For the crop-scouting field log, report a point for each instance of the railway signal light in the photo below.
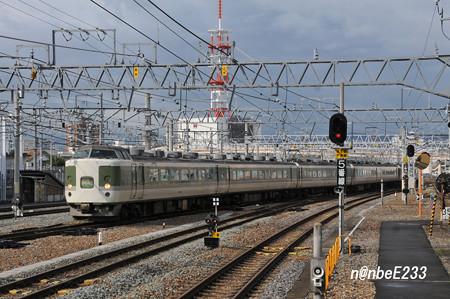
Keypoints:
(405, 186)
(212, 220)
(410, 150)
(338, 129)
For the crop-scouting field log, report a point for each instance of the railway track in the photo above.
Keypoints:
(52, 230)
(120, 257)
(35, 210)
(240, 276)
(71, 275)
(36, 206)
(74, 229)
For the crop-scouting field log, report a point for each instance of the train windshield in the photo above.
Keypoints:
(81, 154)
(96, 153)
(103, 154)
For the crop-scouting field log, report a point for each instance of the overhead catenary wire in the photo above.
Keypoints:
(51, 24)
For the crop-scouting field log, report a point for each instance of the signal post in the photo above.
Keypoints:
(337, 135)
(212, 220)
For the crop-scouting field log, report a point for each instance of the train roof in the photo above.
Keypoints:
(159, 155)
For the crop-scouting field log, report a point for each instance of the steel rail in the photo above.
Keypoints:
(29, 280)
(197, 289)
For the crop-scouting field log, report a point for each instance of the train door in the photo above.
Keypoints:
(133, 180)
(140, 181)
(223, 178)
(137, 180)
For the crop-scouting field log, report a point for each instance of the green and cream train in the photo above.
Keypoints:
(106, 181)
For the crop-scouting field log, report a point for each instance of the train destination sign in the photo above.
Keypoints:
(341, 172)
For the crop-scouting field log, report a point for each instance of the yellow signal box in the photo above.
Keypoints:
(136, 72)
(341, 153)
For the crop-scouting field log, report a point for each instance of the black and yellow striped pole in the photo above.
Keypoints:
(434, 197)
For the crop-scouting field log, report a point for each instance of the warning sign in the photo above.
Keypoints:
(341, 153)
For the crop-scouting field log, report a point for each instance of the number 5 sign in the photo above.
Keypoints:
(341, 172)
(445, 213)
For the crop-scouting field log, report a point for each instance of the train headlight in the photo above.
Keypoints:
(107, 186)
(69, 186)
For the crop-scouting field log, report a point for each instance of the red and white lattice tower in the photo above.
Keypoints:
(219, 54)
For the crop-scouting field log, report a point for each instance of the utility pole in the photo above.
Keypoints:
(169, 136)
(41, 150)
(35, 142)
(3, 157)
(448, 123)
(404, 164)
(100, 134)
(148, 123)
(16, 145)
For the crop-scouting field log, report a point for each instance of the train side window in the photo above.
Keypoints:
(285, 174)
(164, 175)
(279, 174)
(234, 175)
(210, 173)
(153, 175)
(267, 175)
(247, 175)
(126, 155)
(203, 174)
(184, 174)
(240, 175)
(254, 174)
(261, 174)
(119, 154)
(193, 174)
(274, 174)
(174, 174)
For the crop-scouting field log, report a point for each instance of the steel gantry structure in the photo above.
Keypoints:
(272, 75)
(426, 74)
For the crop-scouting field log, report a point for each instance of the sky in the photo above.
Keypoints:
(265, 30)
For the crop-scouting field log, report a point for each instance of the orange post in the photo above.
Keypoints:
(420, 192)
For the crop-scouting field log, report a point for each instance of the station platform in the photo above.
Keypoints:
(403, 244)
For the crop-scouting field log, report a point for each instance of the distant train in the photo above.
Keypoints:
(106, 181)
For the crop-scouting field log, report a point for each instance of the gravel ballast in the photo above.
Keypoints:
(161, 276)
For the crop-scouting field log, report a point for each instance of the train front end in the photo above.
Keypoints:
(93, 182)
